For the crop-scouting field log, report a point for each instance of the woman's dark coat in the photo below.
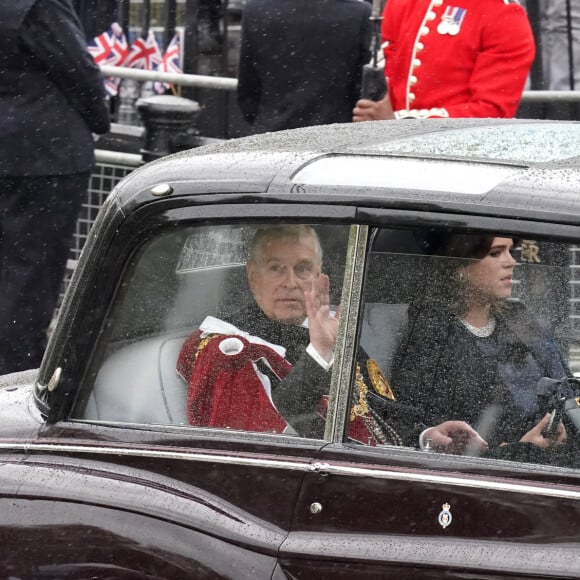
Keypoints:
(440, 370)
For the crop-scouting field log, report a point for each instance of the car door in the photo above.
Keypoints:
(124, 463)
(370, 510)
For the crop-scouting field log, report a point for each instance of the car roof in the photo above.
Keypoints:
(513, 167)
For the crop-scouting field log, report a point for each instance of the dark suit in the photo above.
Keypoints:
(51, 101)
(301, 61)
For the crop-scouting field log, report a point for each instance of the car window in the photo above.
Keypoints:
(474, 334)
(209, 329)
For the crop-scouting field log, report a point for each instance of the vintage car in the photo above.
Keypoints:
(108, 470)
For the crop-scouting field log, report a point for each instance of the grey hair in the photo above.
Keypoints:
(277, 232)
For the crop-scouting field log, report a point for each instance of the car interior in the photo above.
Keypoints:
(165, 297)
(137, 381)
(180, 277)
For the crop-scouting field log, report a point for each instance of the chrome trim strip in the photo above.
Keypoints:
(305, 465)
(562, 492)
(412, 477)
(339, 395)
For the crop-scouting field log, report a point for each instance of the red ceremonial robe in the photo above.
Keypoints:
(226, 388)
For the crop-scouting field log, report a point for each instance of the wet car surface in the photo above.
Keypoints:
(102, 471)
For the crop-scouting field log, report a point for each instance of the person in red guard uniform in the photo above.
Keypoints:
(452, 58)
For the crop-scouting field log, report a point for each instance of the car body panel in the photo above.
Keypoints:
(398, 507)
(80, 540)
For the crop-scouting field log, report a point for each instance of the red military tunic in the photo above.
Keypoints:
(456, 58)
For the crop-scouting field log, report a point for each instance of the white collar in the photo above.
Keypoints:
(213, 325)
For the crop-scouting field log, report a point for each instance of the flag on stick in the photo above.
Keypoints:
(110, 48)
(145, 53)
(171, 62)
(100, 47)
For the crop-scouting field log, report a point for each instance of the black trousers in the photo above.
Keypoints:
(37, 219)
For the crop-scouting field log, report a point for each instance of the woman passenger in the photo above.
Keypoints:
(472, 355)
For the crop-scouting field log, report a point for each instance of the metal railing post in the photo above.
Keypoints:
(191, 42)
(170, 20)
(170, 125)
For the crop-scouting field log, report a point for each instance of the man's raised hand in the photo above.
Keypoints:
(322, 325)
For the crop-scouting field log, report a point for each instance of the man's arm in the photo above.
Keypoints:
(322, 324)
(298, 396)
(53, 33)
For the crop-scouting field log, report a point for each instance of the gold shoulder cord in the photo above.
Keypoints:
(379, 429)
(361, 408)
(203, 343)
(379, 381)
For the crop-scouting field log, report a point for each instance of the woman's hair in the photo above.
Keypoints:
(468, 246)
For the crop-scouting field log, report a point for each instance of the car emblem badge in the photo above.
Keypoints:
(445, 516)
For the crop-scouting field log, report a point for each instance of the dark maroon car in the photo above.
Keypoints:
(103, 473)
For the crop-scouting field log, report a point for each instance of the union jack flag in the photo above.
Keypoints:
(171, 62)
(110, 48)
(112, 85)
(119, 46)
(145, 53)
(100, 47)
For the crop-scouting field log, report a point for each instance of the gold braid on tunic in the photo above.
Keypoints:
(381, 431)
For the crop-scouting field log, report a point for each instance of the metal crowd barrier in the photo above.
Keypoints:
(230, 84)
(551, 97)
(110, 168)
(185, 80)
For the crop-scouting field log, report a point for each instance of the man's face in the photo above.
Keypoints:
(283, 270)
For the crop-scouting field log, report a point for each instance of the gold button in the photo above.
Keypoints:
(411, 97)
(413, 80)
(424, 30)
